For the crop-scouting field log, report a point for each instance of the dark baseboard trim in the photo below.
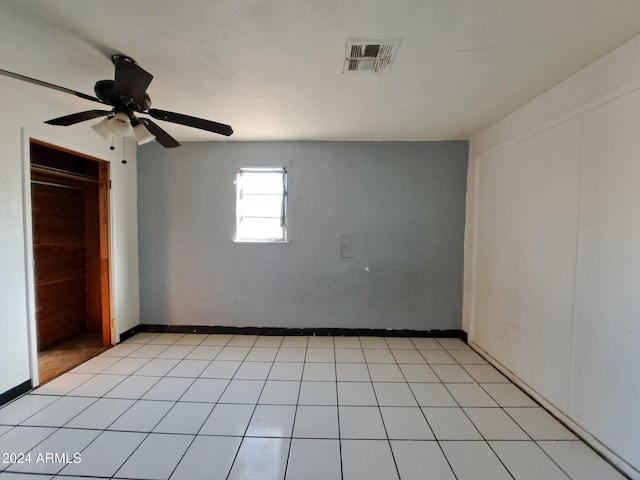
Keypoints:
(15, 392)
(332, 332)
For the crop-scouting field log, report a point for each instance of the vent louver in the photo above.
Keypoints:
(373, 56)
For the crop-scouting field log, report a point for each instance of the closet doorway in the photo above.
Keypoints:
(70, 225)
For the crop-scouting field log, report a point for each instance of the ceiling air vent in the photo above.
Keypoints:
(373, 56)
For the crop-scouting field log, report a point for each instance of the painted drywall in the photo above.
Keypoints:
(403, 204)
(552, 259)
(23, 112)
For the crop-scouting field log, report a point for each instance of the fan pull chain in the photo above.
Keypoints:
(124, 152)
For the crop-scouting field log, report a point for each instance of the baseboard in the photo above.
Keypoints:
(15, 392)
(608, 455)
(331, 332)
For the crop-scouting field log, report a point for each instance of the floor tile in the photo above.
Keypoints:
(185, 418)
(63, 384)
(293, 354)
(495, 424)
(269, 341)
(227, 419)
(106, 454)
(166, 339)
(467, 357)
(168, 389)
(474, 461)
(142, 337)
(349, 355)
(470, 395)
(191, 339)
(438, 357)
(453, 344)
(132, 387)
(96, 365)
(485, 374)
(260, 458)
(22, 439)
(294, 341)
(426, 343)
(527, 461)
(204, 352)
(325, 372)
(100, 414)
(352, 372)
(126, 366)
(316, 422)
(415, 458)
(385, 372)
(280, 392)
(452, 374)
(65, 442)
(508, 395)
(261, 354)
(156, 457)
(408, 356)
(419, 373)
(451, 424)
(148, 351)
(320, 355)
(97, 386)
(356, 393)
(579, 461)
(320, 342)
(253, 371)
(242, 341)
(206, 390)
(233, 353)
(368, 460)
(432, 395)
(221, 369)
(400, 343)
(217, 340)
(286, 371)
(393, 394)
(242, 391)
(373, 342)
(378, 355)
(157, 367)
(207, 457)
(361, 423)
(313, 459)
(22, 408)
(143, 416)
(318, 393)
(60, 412)
(405, 423)
(539, 424)
(176, 351)
(272, 421)
(121, 350)
(4, 429)
(188, 368)
(347, 342)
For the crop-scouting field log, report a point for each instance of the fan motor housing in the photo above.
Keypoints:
(105, 91)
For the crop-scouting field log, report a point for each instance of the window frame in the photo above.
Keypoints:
(237, 239)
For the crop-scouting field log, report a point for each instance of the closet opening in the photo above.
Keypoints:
(70, 225)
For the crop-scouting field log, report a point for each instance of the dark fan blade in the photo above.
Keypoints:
(78, 117)
(48, 85)
(131, 80)
(162, 137)
(194, 122)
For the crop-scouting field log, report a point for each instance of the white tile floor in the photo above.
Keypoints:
(302, 408)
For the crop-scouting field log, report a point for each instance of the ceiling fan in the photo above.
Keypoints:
(127, 96)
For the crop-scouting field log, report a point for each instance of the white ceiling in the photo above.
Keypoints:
(273, 69)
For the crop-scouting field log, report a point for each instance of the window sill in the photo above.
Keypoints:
(261, 242)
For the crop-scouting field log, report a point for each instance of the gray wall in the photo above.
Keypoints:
(403, 203)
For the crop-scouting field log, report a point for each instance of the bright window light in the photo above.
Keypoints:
(261, 205)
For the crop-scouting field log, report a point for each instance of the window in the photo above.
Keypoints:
(261, 205)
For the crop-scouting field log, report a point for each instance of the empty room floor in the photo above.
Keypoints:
(302, 408)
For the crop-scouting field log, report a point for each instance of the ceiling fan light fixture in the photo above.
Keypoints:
(102, 129)
(120, 125)
(142, 134)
